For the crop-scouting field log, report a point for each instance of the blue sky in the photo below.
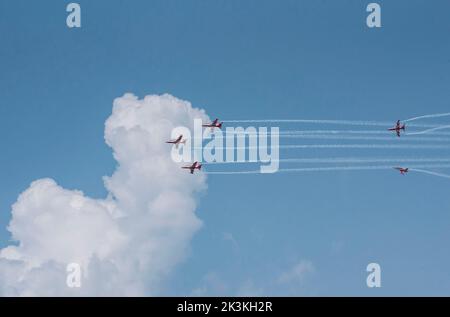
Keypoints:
(245, 59)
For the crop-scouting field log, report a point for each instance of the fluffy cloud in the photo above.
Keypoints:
(297, 273)
(126, 243)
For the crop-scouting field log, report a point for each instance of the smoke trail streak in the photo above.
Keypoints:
(337, 122)
(365, 146)
(333, 168)
(437, 115)
(351, 137)
(297, 132)
(342, 146)
(345, 122)
(338, 132)
(430, 172)
(340, 160)
(430, 130)
(339, 137)
(231, 173)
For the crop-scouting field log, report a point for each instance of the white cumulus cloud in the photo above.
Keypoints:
(126, 243)
(297, 273)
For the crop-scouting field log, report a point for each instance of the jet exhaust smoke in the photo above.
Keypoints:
(336, 122)
(347, 146)
(436, 115)
(417, 168)
(430, 130)
(338, 160)
(430, 172)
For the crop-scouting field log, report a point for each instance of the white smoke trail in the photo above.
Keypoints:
(337, 160)
(342, 137)
(342, 146)
(337, 122)
(430, 130)
(332, 168)
(367, 138)
(231, 173)
(437, 115)
(358, 168)
(296, 132)
(430, 172)
(343, 122)
(365, 146)
(337, 132)
(300, 133)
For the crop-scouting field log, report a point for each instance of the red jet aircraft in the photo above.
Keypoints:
(402, 170)
(177, 141)
(398, 127)
(214, 124)
(193, 167)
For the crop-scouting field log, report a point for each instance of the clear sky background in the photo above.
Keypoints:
(251, 60)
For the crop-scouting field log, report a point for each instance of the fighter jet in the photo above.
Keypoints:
(177, 141)
(214, 124)
(193, 167)
(402, 170)
(398, 127)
